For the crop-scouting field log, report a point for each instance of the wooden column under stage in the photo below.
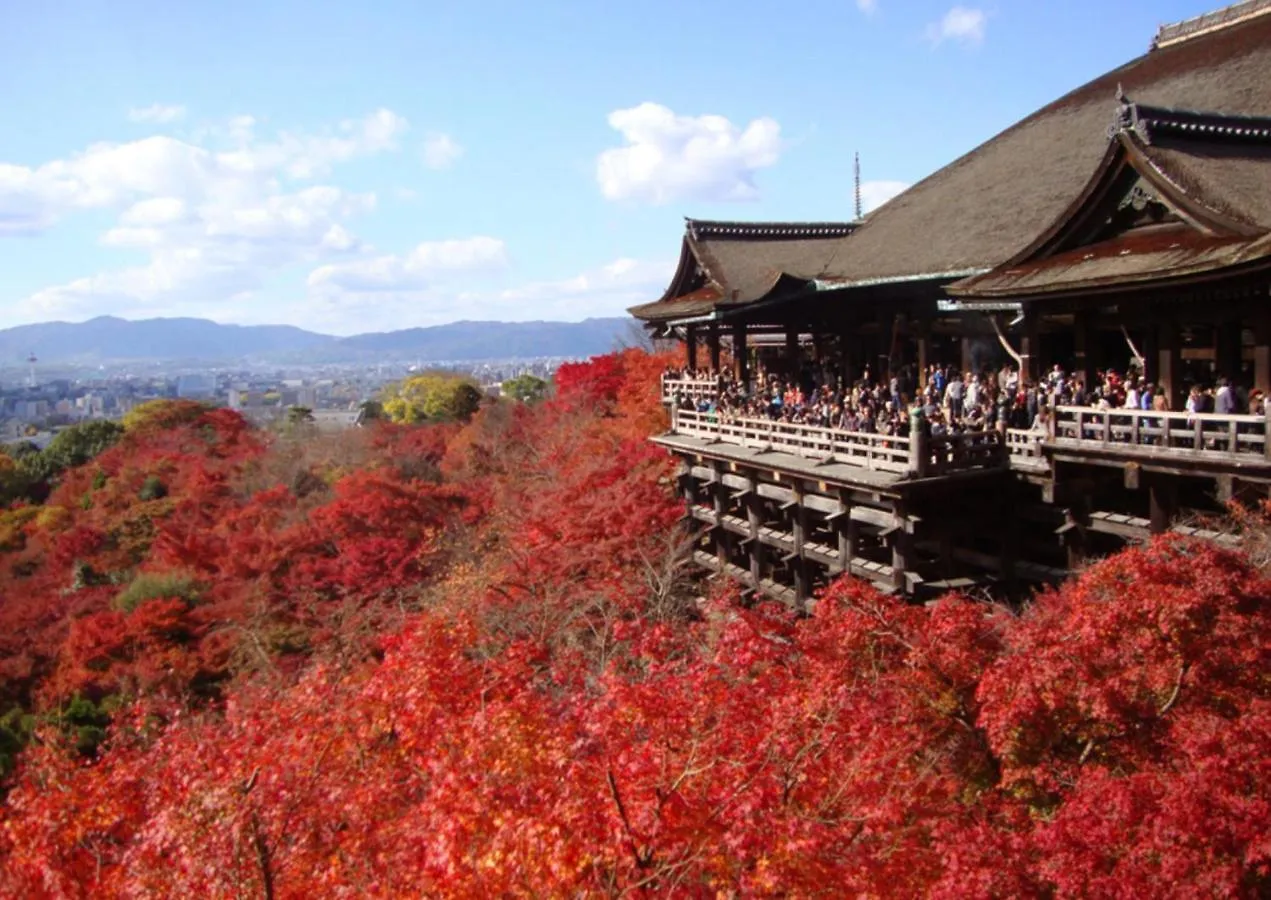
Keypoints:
(1169, 364)
(690, 341)
(712, 345)
(754, 519)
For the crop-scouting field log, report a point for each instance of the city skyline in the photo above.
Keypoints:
(350, 172)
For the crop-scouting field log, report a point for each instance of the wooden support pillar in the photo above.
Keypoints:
(792, 349)
(1262, 351)
(946, 554)
(845, 530)
(1030, 346)
(754, 509)
(1086, 340)
(1010, 534)
(720, 535)
(798, 565)
(690, 341)
(901, 549)
(923, 328)
(1227, 352)
(1074, 539)
(741, 354)
(966, 355)
(1164, 503)
(846, 355)
(712, 345)
(1151, 350)
(1169, 364)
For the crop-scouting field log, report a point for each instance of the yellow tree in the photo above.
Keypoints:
(431, 397)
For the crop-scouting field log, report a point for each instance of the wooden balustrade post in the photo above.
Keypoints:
(917, 444)
(1266, 432)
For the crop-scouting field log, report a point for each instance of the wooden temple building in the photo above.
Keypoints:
(1131, 217)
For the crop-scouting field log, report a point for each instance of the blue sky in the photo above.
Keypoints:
(351, 167)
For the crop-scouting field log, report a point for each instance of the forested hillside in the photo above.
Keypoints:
(470, 659)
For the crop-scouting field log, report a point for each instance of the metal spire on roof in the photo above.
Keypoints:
(858, 184)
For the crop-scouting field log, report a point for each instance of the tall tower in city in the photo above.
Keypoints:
(30, 378)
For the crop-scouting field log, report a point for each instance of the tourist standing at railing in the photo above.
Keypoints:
(1224, 399)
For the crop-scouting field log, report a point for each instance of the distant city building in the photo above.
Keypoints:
(195, 386)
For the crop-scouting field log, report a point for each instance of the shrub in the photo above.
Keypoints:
(153, 488)
(155, 585)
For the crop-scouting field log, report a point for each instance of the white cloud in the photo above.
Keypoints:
(416, 270)
(461, 279)
(668, 157)
(215, 223)
(869, 7)
(875, 193)
(157, 112)
(604, 291)
(961, 24)
(441, 151)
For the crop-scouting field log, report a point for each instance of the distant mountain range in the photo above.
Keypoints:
(111, 340)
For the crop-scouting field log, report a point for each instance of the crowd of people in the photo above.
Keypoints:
(944, 399)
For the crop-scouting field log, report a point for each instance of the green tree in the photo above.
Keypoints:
(15, 479)
(526, 388)
(370, 411)
(299, 417)
(162, 413)
(72, 447)
(432, 397)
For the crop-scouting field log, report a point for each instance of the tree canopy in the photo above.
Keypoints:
(526, 388)
(431, 397)
(471, 659)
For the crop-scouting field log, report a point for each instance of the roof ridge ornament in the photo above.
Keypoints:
(771, 231)
(1150, 122)
(1186, 30)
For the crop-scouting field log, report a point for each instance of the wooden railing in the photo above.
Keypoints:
(1123, 431)
(968, 450)
(872, 451)
(1146, 432)
(681, 386)
(928, 456)
(1024, 447)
